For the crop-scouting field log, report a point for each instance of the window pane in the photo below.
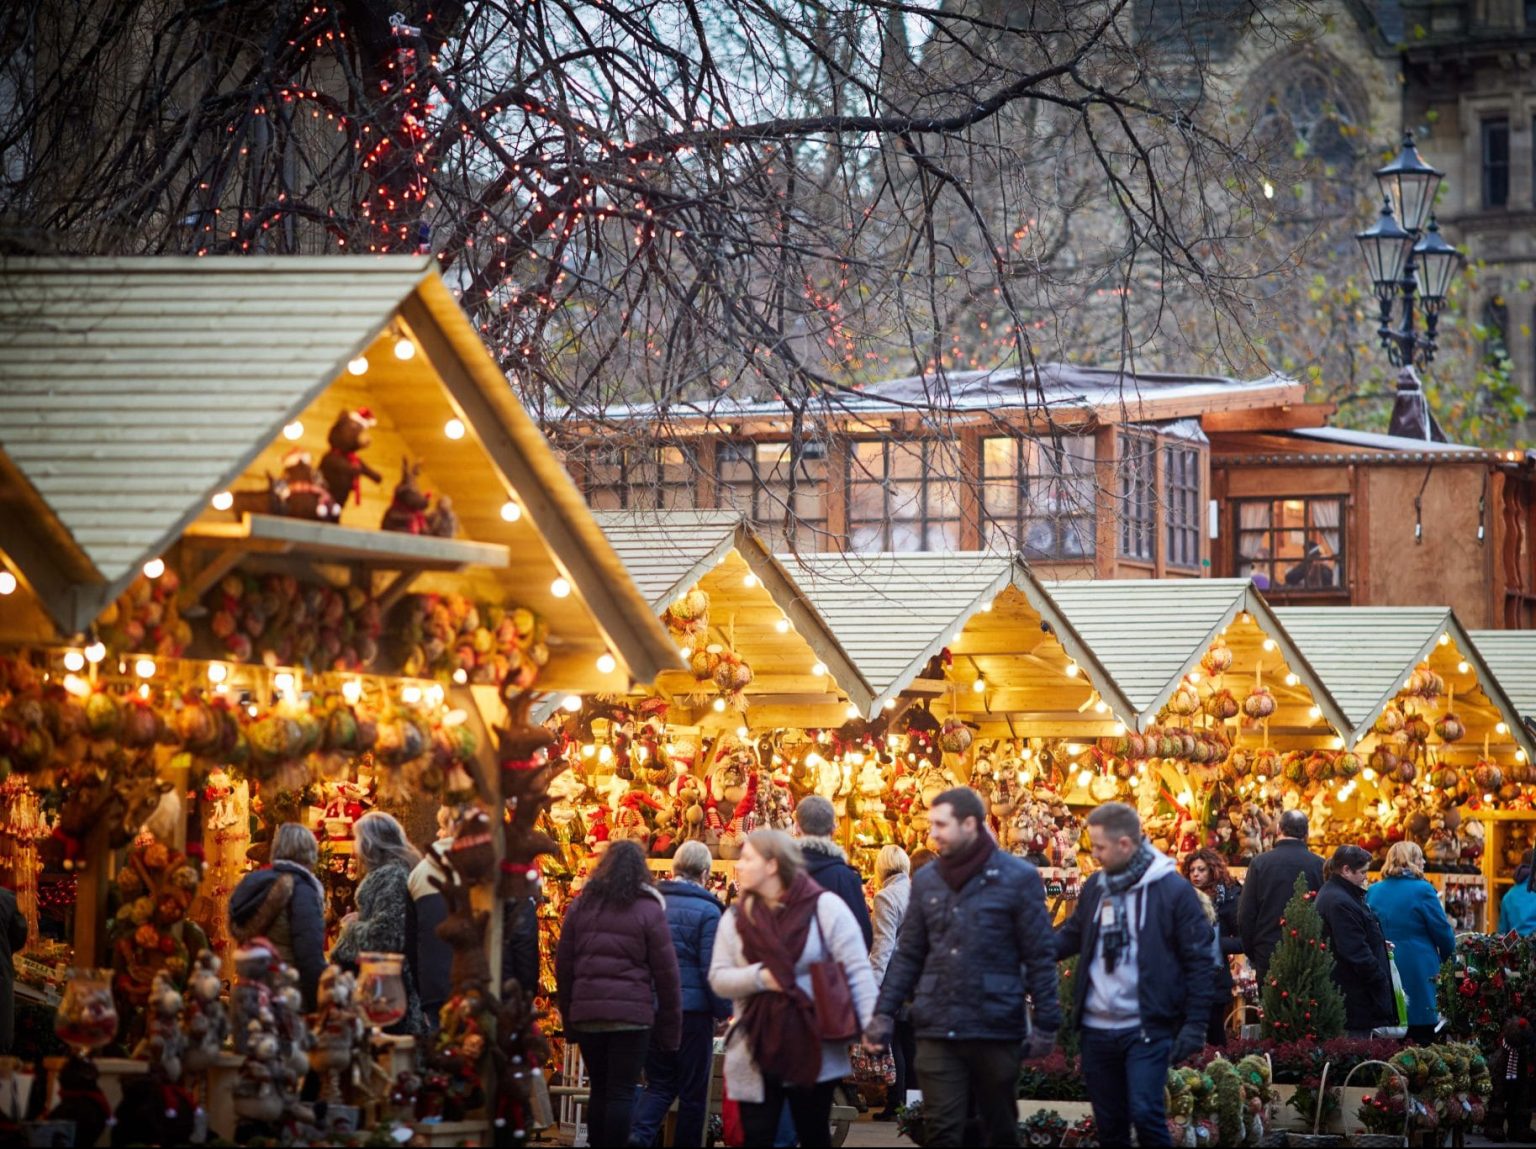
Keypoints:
(867, 538)
(942, 537)
(906, 461)
(1495, 133)
(866, 502)
(999, 458)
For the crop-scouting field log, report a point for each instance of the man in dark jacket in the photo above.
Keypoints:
(976, 943)
(827, 864)
(1143, 987)
(693, 915)
(1268, 887)
(13, 935)
(1361, 968)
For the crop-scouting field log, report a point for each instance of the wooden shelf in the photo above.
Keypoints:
(327, 542)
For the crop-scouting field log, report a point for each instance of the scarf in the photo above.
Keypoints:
(1115, 938)
(780, 1028)
(959, 868)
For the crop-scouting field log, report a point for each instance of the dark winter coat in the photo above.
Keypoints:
(1270, 882)
(829, 869)
(286, 905)
(383, 925)
(1229, 940)
(967, 958)
(520, 942)
(693, 916)
(1361, 967)
(432, 957)
(615, 964)
(13, 935)
(1174, 951)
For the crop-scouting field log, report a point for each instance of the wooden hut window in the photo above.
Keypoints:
(652, 477)
(1138, 497)
(781, 491)
(1037, 496)
(1292, 546)
(903, 495)
(1182, 487)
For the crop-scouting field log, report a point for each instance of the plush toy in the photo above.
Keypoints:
(443, 520)
(342, 466)
(407, 512)
(338, 1031)
(301, 493)
(205, 1020)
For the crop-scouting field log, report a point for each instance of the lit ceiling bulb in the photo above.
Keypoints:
(852, 711)
(719, 706)
(510, 511)
(76, 685)
(154, 568)
(979, 686)
(1100, 707)
(1119, 729)
(741, 732)
(819, 670)
(293, 430)
(605, 755)
(1071, 670)
(589, 751)
(560, 588)
(782, 626)
(454, 428)
(352, 690)
(74, 660)
(1445, 638)
(749, 581)
(96, 651)
(1085, 777)
(7, 582)
(890, 704)
(1519, 755)
(1269, 644)
(222, 501)
(1502, 728)
(606, 663)
(410, 694)
(572, 703)
(1291, 680)
(460, 676)
(358, 366)
(144, 668)
(217, 672)
(284, 683)
(1463, 666)
(405, 350)
(1315, 712)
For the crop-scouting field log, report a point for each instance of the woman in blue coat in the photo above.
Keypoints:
(1415, 923)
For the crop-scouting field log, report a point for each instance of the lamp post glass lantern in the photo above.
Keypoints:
(1407, 260)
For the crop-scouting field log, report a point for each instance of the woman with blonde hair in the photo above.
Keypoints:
(1415, 923)
(893, 874)
(285, 904)
(385, 915)
(783, 924)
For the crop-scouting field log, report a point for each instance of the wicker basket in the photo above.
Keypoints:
(1363, 1140)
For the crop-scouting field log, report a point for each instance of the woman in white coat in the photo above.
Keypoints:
(892, 870)
(764, 949)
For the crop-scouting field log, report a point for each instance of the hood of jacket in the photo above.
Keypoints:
(818, 851)
(1162, 866)
(251, 892)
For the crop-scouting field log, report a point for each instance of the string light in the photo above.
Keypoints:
(1315, 712)
(293, 430)
(1291, 680)
(890, 704)
(606, 663)
(217, 672)
(1445, 638)
(222, 501)
(510, 511)
(1463, 666)
(605, 755)
(76, 685)
(144, 668)
(719, 706)
(1071, 670)
(560, 588)
(454, 428)
(1502, 728)
(358, 366)
(7, 582)
(154, 568)
(96, 652)
(460, 676)
(819, 670)
(782, 626)
(1268, 644)
(74, 660)
(283, 683)
(572, 703)
(405, 350)
(589, 751)
(352, 690)
(410, 694)
(741, 732)
(979, 686)
(986, 608)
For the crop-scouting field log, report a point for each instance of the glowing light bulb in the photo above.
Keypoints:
(510, 511)
(605, 755)
(606, 663)
(1084, 777)
(284, 683)
(749, 581)
(686, 652)
(1100, 706)
(1519, 755)
(1119, 729)
(454, 428)
(890, 704)
(74, 660)
(144, 668)
(955, 639)
(1445, 638)
(1193, 676)
(782, 626)
(7, 582)
(1338, 743)
(1315, 712)
(293, 430)
(222, 501)
(358, 366)
(1463, 666)
(410, 694)
(96, 651)
(572, 703)
(741, 732)
(589, 751)
(154, 568)
(718, 706)
(352, 690)
(986, 608)
(405, 350)
(460, 676)
(852, 711)
(560, 588)
(819, 670)
(76, 685)
(1502, 728)
(1268, 644)
(979, 686)
(1291, 680)
(1071, 670)
(217, 672)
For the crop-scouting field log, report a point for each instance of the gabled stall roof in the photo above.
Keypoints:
(1365, 653)
(132, 390)
(1146, 635)
(1511, 655)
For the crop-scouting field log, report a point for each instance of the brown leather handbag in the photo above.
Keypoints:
(831, 995)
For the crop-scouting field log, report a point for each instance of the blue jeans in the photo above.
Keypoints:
(683, 1075)
(1125, 1071)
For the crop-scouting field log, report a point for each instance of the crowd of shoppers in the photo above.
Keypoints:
(955, 971)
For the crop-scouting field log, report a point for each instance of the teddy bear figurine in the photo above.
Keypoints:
(301, 493)
(342, 466)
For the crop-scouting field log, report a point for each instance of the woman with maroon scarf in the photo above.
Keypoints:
(764, 950)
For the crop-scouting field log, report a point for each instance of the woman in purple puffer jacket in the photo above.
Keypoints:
(616, 980)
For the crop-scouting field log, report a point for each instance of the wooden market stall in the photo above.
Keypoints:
(1449, 755)
(205, 590)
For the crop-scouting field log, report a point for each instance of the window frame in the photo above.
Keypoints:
(1136, 523)
(765, 509)
(629, 463)
(1270, 566)
(1078, 523)
(1181, 499)
(1492, 169)
(928, 481)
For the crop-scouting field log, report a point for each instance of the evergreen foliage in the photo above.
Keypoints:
(1300, 998)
